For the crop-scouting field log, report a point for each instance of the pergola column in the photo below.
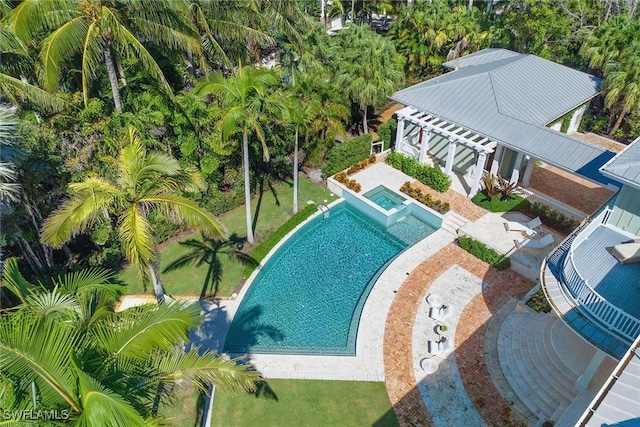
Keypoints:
(515, 175)
(451, 154)
(424, 145)
(497, 157)
(477, 173)
(399, 134)
(528, 170)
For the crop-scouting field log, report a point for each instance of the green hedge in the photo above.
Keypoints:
(387, 132)
(341, 157)
(486, 254)
(265, 247)
(428, 175)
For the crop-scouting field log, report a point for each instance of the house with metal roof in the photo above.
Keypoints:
(592, 281)
(500, 111)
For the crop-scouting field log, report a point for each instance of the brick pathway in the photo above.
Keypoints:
(399, 376)
(570, 189)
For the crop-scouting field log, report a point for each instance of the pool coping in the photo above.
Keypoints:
(368, 363)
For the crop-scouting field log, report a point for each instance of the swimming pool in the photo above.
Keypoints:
(384, 197)
(308, 297)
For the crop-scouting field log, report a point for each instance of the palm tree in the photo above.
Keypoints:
(301, 113)
(96, 30)
(370, 68)
(66, 349)
(145, 182)
(244, 97)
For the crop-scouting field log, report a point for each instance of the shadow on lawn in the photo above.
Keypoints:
(208, 251)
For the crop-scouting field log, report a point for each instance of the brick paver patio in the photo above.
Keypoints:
(469, 351)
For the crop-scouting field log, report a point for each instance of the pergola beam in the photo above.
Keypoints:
(447, 129)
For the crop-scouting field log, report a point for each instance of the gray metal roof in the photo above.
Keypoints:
(480, 57)
(625, 166)
(618, 402)
(510, 97)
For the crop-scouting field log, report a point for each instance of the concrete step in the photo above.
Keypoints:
(535, 372)
(452, 222)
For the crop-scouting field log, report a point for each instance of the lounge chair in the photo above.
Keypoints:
(445, 345)
(528, 228)
(627, 253)
(534, 244)
(441, 313)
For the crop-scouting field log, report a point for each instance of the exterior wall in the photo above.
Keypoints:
(626, 212)
(557, 126)
(577, 118)
(507, 162)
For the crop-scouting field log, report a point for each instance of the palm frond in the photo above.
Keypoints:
(89, 199)
(31, 353)
(201, 370)
(16, 89)
(136, 237)
(58, 47)
(14, 281)
(188, 212)
(54, 306)
(103, 407)
(136, 331)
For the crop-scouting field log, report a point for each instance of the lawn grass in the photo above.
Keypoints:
(274, 209)
(185, 409)
(496, 204)
(307, 403)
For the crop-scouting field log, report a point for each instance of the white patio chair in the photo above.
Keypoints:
(441, 313)
(445, 345)
(534, 244)
(528, 228)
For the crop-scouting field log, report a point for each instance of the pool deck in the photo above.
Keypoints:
(395, 324)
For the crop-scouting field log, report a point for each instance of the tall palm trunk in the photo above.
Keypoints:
(247, 183)
(295, 173)
(154, 270)
(618, 122)
(364, 120)
(353, 8)
(113, 78)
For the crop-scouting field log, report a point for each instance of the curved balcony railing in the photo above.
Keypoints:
(589, 300)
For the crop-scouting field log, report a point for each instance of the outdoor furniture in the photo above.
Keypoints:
(528, 228)
(441, 313)
(434, 300)
(534, 244)
(627, 253)
(445, 345)
(429, 365)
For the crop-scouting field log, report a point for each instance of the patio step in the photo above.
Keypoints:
(453, 222)
(532, 367)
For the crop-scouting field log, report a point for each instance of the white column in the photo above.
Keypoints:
(497, 157)
(451, 154)
(515, 175)
(477, 173)
(424, 145)
(399, 134)
(584, 379)
(528, 170)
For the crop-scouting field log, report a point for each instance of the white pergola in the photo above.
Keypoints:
(454, 133)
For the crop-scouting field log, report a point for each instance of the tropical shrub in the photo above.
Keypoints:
(351, 184)
(539, 303)
(496, 203)
(428, 175)
(346, 154)
(484, 253)
(550, 217)
(265, 247)
(387, 133)
(425, 198)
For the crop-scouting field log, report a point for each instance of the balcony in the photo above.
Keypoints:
(590, 290)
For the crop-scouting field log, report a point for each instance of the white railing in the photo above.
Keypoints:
(590, 301)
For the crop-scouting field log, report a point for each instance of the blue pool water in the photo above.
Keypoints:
(384, 197)
(308, 297)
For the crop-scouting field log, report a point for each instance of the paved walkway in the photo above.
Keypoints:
(401, 382)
